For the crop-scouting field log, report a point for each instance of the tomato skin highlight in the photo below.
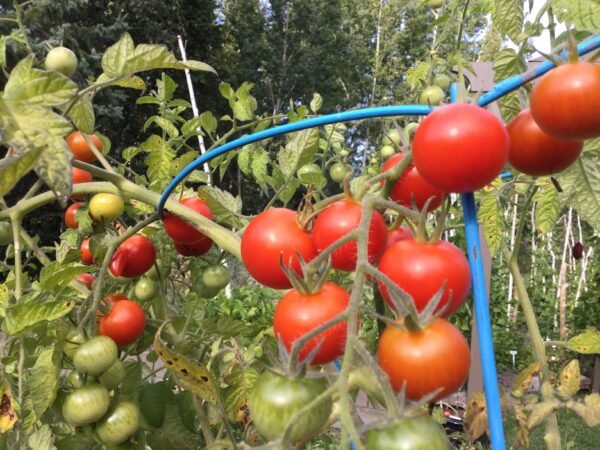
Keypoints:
(81, 151)
(134, 257)
(336, 221)
(179, 230)
(535, 152)
(564, 102)
(124, 323)
(420, 269)
(70, 221)
(412, 184)
(273, 236)
(296, 314)
(437, 357)
(460, 148)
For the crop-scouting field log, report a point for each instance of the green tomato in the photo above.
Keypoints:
(442, 80)
(344, 152)
(76, 380)
(276, 398)
(86, 404)
(113, 376)
(73, 340)
(121, 422)
(145, 289)
(308, 170)
(338, 171)
(95, 356)
(106, 207)
(410, 130)
(435, 4)
(61, 59)
(6, 234)
(433, 95)
(414, 433)
(392, 137)
(387, 151)
(216, 277)
(204, 291)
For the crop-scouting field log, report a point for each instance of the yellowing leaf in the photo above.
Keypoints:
(587, 342)
(540, 412)
(522, 430)
(569, 380)
(476, 423)
(523, 380)
(8, 415)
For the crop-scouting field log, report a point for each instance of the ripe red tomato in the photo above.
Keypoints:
(87, 279)
(79, 147)
(179, 230)
(274, 237)
(564, 102)
(336, 221)
(80, 176)
(70, 221)
(411, 186)
(436, 357)
(398, 234)
(460, 147)
(196, 249)
(124, 323)
(420, 269)
(535, 152)
(133, 257)
(296, 314)
(86, 255)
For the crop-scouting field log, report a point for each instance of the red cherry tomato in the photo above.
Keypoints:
(535, 152)
(421, 269)
(460, 147)
(70, 221)
(437, 357)
(87, 279)
(296, 314)
(411, 186)
(398, 234)
(81, 150)
(124, 323)
(196, 249)
(133, 257)
(179, 230)
(564, 102)
(337, 220)
(273, 236)
(80, 176)
(86, 255)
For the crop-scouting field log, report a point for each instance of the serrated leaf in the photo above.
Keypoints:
(593, 401)
(225, 207)
(507, 63)
(587, 343)
(131, 152)
(14, 168)
(178, 164)
(44, 380)
(590, 415)
(158, 161)
(507, 17)
(591, 148)
(316, 102)
(164, 125)
(133, 82)
(540, 412)
(26, 314)
(522, 430)
(152, 403)
(475, 417)
(226, 90)
(54, 167)
(547, 206)
(417, 76)
(490, 215)
(41, 439)
(242, 103)
(208, 121)
(59, 274)
(569, 380)
(581, 189)
(85, 223)
(523, 380)
(8, 415)
(115, 57)
(4, 296)
(244, 157)
(82, 114)
(236, 395)
(129, 388)
(173, 434)
(583, 14)
(259, 165)
(299, 150)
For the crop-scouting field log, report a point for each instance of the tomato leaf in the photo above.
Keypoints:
(582, 14)
(547, 207)
(586, 343)
(42, 438)
(32, 310)
(158, 161)
(82, 114)
(490, 216)
(236, 395)
(14, 168)
(4, 296)
(242, 103)
(54, 167)
(299, 150)
(225, 207)
(581, 189)
(569, 380)
(476, 416)
(316, 102)
(523, 380)
(60, 274)
(173, 434)
(508, 18)
(8, 415)
(152, 403)
(259, 164)
(540, 412)
(417, 76)
(44, 380)
(130, 386)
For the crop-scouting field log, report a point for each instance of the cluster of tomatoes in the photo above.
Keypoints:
(86, 399)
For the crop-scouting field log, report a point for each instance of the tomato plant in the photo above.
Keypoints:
(442, 80)
(338, 171)
(432, 95)
(81, 150)
(95, 356)
(73, 339)
(134, 257)
(432, 359)
(113, 376)
(70, 221)
(180, 231)
(339, 219)
(145, 289)
(420, 269)
(6, 233)
(447, 147)
(86, 404)
(272, 238)
(535, 152)
(121, 421)
(106, 207)
(86, 254)
(414, 433)
(61, 59)
(216, 277)
(412, 187)
(275, 399)
(296, 314)
(564, 102)
(124, 323)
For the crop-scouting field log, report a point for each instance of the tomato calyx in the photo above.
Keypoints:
(421, 235)
(312, 278)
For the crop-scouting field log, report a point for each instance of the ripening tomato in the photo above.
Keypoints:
(81, 150)
(398, 234)
(296, 314)
(133, 257)
(179, 230)
(535, 152)
(272, 238)
(80, 176)
(435, 358)
(196, 249)
(70, 221)
(86, 254)
(124, 323)
(420, 269)
(460, 147)
(411, 186)
(564, 102)
(87, 279)
(106, 207)
(336, 221)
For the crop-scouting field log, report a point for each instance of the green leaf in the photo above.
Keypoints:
(133, 82)
(208, 121)
(317, 179)
(418, 75)
(14, 168)
(581, 189)
(260, 162)
(131, 384)
(316, 102)
(592, 148)
(226, 90)
(4, 296)
(116, 56)
(583, 14)
(37, 87)
(173, 434)
(299, 150)
(131, 152)
(490, 215)
(59, 274)
(242, 103)
(508, 62)
(182, 162)
(548, 206)
(158, 161)
(244, 158)
(82, 114)
(44, 380)
(225, 207)
(236, 395)
(26, 314)
(508, 18)
(586, 343)
(54, 167)
(164, 124)
(152, 403)
(41, 439)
